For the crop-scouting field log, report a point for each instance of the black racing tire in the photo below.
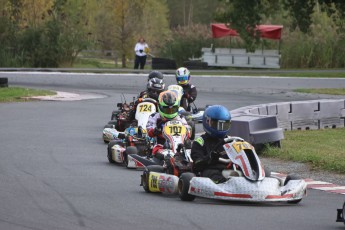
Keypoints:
(344, 212)
(287, 179)
(109, 126)
(110, 145)
(192, 125)
(129, 150)
(3, 82)
(183, 187)
(163, 63)
(146, 174)
(113, 114)
(195, 64)
(112, 122)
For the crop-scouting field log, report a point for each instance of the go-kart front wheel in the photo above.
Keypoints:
(129, 150)
(146, 175)
(183, 187)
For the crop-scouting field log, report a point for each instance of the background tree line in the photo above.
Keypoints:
(52, 33)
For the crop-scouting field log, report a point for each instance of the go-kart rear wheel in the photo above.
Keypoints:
(287, 179)
(183, 187)
(146, 175)
(129, 150)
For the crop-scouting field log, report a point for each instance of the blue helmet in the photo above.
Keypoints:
(216, 121)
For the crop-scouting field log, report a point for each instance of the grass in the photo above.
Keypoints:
(339, 91)
(16, 94)
(321, 149)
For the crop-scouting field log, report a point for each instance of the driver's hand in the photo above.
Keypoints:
(157, 131)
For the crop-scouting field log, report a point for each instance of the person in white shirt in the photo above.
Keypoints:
(141, 49)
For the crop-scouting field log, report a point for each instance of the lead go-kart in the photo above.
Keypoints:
(177, 146)
(246, 180)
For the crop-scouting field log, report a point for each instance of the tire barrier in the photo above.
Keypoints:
(163, 63)
(195, 65)
(3, 82)
(261, 124)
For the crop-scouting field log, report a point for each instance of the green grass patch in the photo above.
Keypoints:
(340, 91)
(16, 94)
(322, 149)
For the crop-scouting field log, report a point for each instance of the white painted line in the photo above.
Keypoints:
(331, 188)
(316, 182)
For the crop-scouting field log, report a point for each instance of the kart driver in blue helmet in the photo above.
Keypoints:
(206, 149)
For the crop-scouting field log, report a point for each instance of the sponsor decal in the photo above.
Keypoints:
(200, 141)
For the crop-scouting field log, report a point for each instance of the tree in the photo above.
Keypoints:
(243, 16)
(301, 13)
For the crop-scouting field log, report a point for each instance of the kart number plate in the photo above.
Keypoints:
(143, 108)
(175, 130)
(239, 146)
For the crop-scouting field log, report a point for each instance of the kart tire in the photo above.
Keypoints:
(112, 122)
(109, 126)
(192, 125)
(344, 212)
(183, 187)
(292, 177)
(113, 114)
(129, 150)
(146, 174)
(3, 82)
(110, 145)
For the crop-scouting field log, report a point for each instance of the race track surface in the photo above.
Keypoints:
(54, 173)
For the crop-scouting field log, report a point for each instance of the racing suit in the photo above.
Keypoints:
(206, 163)
(154, 129)
(189, 95)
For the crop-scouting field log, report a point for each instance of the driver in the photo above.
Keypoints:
(158, 76)
(168, 106)
(189, 90)
(216, 123)
(153, 88)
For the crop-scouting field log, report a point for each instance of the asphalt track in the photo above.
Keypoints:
(54, 173)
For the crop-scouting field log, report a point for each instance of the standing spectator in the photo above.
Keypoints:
(141, 49)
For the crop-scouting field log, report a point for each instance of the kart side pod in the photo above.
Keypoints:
(162, 182)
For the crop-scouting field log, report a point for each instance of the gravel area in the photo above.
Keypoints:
(303, 170)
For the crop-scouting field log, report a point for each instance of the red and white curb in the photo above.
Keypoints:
(319, 185)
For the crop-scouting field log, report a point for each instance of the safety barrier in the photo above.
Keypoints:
(260, 124)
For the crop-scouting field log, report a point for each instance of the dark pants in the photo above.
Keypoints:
(139, 60)
(214, 174)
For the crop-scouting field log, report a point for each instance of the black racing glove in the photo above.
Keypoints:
(141, 51)
(157, 131)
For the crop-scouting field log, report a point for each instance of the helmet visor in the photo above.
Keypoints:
(183, 79)
(220, 125)
(168, 109)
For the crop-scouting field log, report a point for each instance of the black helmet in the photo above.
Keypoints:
(155, 74)
(154, 87)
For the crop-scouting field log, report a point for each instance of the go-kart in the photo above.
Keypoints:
(143, 110)
(246, 181)
(341, 214)
(133, 141)
(175, 134)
